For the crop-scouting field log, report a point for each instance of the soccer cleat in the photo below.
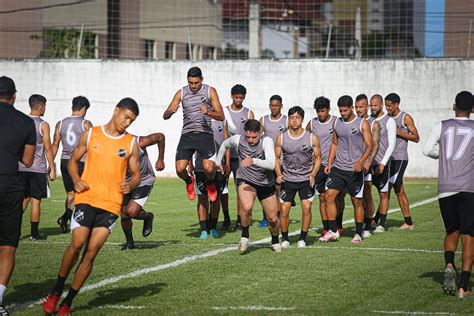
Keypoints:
(226, 224)
(285, 244)
(379, 229)
(64, 310)
(203, 235)
(211, 192)
(357, 239)
(148, 225)
(324, 232)
(62, 225)
(276, 247)
(3, 311)
(49, 303)
(330, 236)
(36, 237)
(190, 189)
(301, 244)
(366, 234)
(461, 294)
(405, 226)
(238, 226)
(243, 244)
(449, 280)
(263, 223)
(215, 233)
(340, 231)
(128, 246)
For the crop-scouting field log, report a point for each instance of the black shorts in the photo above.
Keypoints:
(289, 189)
(139, 195)
(35, 185)
(457, 212)
(88, 216)
(67, 181)
(350, 180)
(397, 170)
(320, 180)
(380, 181)
(220, 181)
(189, 143)
(263, 192)
(11, 213)
(234, 165)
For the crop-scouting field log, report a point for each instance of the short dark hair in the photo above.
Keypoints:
(195, 72)
(276, 97)
(321, 103)
(7, 87)
(361, 96)
(80, 102)
(345, 100)
(296, 109)
(393, 97)
(464, 101)
(252, 126)
(129, 104)
(36, 99)
(238, 89)
(377, 96)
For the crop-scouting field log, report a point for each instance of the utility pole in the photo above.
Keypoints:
(254, 29)
(296, 37)
(358, 35)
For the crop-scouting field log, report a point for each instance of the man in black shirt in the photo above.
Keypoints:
(17, 143)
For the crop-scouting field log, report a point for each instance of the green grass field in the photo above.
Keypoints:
(397, 272)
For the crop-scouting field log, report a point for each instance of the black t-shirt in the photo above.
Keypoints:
(16, 130)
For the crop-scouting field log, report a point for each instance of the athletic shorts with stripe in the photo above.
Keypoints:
(139, 195)
(189, 143)
(67, 180)
(457, 212)
(350, 180)
(289, 190)
(35, 185)
(220, 181)
(397, 170)
(88, 216)
(320, 180)
(263, 192)
(381, 181)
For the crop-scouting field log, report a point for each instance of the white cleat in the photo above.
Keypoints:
(357, 239)
(243, 244)
(285, 244)
(301, 244)
(276, 247)
(379, 229)
(330, 236)
(366, 234)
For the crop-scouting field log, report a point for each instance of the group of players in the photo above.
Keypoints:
(271, 159)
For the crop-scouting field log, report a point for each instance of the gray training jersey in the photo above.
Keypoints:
(324, 132)
(70, 131)
(39, 162)
(383, 146)
(456, 156)
(253, 173)
(401, 145)
(147, 175)
(193, 119)
(239, 118)
(350, 143)
(218, 131)
(297, 157)
(273, 128)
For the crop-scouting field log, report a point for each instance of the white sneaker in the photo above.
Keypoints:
(379, 229)
(301, 244)
(366, 234)
(243, 244)
(277, 247)
(285, 244)
(357, 239)
(330, 236)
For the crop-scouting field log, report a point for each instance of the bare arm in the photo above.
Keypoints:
(251, 115)
(56, 139)
(375, 145)
(81, 148)
(134, 169)
(308, 126)
(28, 155)
(262, 128)
(48, 150)
(217, 113)
(332, 149)
(150, 140)
(278, 172)
(368, 146)
(174, 106)
(87, 125)
(412, 134)
(316, 156)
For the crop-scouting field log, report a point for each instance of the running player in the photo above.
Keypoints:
(272, 125)
(133, 203)
(255, 178)
(406, 131)
(352, 144)
(99, 197)
(452, 142)
(239, 115)
(200, 104)
(322, 127)
(298, 159)
(35, 178)
(67, 132)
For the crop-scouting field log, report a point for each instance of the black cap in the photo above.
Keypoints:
(7, 87)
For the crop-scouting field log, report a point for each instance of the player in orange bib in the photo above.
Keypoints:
(99, 193)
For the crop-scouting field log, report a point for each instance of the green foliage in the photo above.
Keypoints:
(62, 43)
(230, 52)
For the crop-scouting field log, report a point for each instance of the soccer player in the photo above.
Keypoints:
(133, 203)
(298, 159)
(272, 125)
(200, 104)
(239, 115)
(352, 144)
(255, 179)
(99, 194)
(406, 131)
(451, 141)
(68, 131)
(35, 177)
(16, 144)
(322, 127)
(362, 109)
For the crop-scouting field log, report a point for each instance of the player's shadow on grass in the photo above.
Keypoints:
(29, 291)
(50, 231)
(143, 244)
(393, 223)
(437, 276)
(120, 296)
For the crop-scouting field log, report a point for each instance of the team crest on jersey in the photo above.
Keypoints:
(79, 216)
(220, 128)
(331, 130)
(305, 147)
(281, 128)
(354, 130)
(243, 120)
(328, 181)
(122, 153)
(258, 156)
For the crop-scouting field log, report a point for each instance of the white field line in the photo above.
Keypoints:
(252, 308)
(378, 249)
(122, 307)
(137, 273)
(413, 313)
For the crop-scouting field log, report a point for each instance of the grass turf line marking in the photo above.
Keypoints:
(105, 282)
(413, 313)
(252, 308)
(379, 249)
(122, 307)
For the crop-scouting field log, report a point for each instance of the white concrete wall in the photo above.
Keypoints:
(427, 89)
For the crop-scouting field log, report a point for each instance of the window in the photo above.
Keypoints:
(149, 49)
(170, 50)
